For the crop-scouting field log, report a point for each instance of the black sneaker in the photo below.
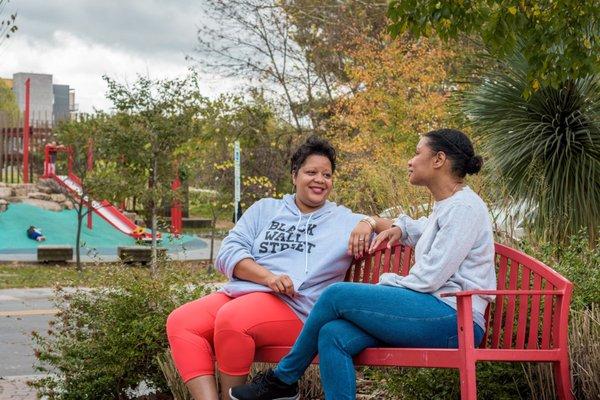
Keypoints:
(265, 386)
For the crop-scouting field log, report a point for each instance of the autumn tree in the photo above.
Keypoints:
(9, 109)
(405, 91)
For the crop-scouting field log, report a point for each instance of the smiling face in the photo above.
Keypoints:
(313, 182)
(424, 164)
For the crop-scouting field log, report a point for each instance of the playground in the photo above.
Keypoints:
(98, 244)
(105, 230)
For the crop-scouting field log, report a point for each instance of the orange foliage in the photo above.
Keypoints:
(403, 91)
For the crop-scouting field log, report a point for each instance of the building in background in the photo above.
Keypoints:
(48, 102)
(61, 109)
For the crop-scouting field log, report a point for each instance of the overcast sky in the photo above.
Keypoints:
(77, 41)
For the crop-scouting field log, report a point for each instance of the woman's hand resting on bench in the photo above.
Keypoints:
(392, 235)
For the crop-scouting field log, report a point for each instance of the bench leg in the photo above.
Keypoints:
(468, 382)
(562, 380)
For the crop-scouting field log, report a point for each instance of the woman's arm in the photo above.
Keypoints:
(412, 229)
(237, 246)
(361, 235)
(249, 270)
(459, 230)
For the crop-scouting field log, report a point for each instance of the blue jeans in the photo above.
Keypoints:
(349, 317)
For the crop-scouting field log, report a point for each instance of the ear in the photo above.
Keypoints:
(439, 160)
(294, 175)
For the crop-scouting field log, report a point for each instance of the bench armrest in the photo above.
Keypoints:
(503, 292)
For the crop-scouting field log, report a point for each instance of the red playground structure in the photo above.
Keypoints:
(104, 208)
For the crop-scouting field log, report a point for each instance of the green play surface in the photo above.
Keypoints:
(60, 228)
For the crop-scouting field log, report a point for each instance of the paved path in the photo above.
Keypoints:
(21, 312)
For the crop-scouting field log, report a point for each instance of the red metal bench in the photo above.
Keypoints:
(527, 321)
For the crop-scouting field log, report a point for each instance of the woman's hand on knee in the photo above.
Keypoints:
(281, 284)
(392, 235)
(360, 238)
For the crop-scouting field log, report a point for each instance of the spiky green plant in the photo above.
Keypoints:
(546, 146)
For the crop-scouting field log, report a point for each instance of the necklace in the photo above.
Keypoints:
(455, 187)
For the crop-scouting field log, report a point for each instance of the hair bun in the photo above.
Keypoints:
(474, 165)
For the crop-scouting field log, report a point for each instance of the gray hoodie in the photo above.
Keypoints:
(310, 248)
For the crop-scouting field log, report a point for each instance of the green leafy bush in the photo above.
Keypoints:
(577, 262)
(104, 341)
(495, 381)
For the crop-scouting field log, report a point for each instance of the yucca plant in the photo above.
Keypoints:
(544, 146)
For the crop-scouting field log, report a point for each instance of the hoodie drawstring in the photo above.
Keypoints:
(306, 244)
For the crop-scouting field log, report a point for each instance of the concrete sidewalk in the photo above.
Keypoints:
(15, 388)
(21, 312)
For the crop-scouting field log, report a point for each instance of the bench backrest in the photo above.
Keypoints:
(527, 321)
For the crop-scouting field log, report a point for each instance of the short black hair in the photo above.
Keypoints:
(458, 148)
(314, 145)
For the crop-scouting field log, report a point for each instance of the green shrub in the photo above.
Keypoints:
(577, 262)
(495, 381)
(104, 341)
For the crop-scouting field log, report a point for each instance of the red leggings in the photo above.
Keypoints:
(233, 327)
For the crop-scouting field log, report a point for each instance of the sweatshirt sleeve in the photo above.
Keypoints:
(411, 229)
(238, 243)
(458, 231)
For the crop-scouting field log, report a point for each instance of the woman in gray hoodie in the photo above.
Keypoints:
(279, 258)
(454, 251)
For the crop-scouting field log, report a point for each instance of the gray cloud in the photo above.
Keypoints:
(147, 27)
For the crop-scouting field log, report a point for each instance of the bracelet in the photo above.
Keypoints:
(371, 221)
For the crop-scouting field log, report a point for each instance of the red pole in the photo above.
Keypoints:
(47, 161)
(176, 223)
(90, 165)
(26, 133)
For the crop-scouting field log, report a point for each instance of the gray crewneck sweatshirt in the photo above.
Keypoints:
(454, 251)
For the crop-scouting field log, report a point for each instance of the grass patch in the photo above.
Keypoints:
(31, 275)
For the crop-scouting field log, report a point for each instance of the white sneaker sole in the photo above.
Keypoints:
(296, 397)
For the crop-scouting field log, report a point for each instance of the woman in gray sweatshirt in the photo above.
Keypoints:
(454, 251)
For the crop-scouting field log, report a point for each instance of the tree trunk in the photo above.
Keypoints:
(153, 262)
(80, 216)
(212, 239)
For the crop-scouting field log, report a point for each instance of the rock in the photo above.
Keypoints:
(20, 192)
(51, 185)
(44, 189)
(46, 205)
(39, 196)
(5, 192)
(130, 215)
(68, 204)
(59, 198)
(23, 189)
(3, 205)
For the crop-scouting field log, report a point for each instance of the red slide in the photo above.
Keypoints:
(106, 210)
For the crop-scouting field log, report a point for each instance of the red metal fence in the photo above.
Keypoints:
(11, 150)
